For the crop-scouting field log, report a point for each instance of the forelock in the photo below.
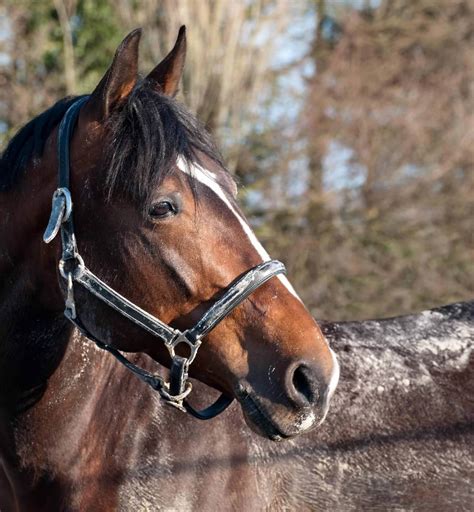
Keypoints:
(146, 137)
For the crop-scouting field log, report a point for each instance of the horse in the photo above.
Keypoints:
(146, 260)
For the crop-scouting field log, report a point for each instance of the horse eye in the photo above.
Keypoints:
(162, 209)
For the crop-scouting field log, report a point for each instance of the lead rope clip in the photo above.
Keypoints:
(175, 400)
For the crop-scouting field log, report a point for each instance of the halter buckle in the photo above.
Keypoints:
(61, 209)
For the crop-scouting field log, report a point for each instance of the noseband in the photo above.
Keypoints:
(74, 272)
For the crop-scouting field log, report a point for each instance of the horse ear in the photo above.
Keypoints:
(119, 80)
(167, 74)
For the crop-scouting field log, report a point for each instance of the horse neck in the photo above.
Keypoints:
(33, 332)
(32, 345)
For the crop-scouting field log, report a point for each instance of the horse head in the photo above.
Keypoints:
(156, 218)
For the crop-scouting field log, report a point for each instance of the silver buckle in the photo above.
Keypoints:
(61, 209)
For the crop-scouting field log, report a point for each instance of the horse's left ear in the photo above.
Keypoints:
(119, 80)
(166, 76)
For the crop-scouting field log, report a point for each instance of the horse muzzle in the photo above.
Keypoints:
(300, 405)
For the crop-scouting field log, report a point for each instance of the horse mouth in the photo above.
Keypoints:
(259, 419)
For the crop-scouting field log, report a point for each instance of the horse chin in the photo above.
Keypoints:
(264, 428)
(262, 419)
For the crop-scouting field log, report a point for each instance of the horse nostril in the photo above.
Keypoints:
(305, 385)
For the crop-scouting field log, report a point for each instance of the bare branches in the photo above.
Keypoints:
(65, 10)
(396, 94)
(369, 200)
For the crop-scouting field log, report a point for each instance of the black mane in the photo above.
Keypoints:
(147, 134)
(28, 143)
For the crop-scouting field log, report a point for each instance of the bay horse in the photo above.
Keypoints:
(149, 257)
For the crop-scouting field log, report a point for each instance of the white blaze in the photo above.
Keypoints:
(207, 178)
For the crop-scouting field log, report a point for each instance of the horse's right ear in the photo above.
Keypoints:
(119, 80)
(165, 77)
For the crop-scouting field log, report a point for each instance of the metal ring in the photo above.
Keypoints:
(77, 271)
(175, 398)
(181, 338)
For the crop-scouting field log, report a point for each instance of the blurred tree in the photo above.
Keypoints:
(394, 89)
(52, 49)
(369, 199)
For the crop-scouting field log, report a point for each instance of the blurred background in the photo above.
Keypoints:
(348, 124)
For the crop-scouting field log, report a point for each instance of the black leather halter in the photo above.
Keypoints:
(74, 271)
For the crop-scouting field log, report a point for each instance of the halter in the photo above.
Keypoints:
(73, 271)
